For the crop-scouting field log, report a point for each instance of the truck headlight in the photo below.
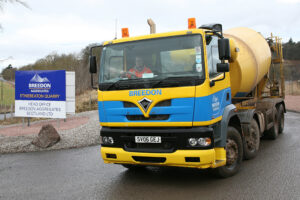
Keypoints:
(110, 140)
(204, 141)
(107, 140)
(192, 141)
(199, 142)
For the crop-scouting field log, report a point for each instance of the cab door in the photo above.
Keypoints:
(210, 99)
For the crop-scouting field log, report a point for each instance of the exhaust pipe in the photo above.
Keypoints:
(152, 26)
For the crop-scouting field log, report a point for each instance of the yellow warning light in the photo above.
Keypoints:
(192, 23)
(125, 32)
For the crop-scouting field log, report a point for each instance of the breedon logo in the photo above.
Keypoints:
(145, 92)
(39, 84)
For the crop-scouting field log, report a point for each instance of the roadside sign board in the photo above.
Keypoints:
(70, 92)
(40, 94)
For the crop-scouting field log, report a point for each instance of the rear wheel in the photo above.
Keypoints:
(234, 154)
(272, 133)
(252, 141)
(280, 119)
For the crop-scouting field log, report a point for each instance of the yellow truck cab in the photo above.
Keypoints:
(185, 105)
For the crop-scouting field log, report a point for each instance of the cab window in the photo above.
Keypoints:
(212, 56)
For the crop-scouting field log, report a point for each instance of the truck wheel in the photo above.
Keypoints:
(252, 141)
(234, 154)
(280, 119)
(272, 133)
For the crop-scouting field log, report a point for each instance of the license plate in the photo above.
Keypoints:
(147, 139)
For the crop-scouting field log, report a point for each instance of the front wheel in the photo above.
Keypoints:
(234, 154)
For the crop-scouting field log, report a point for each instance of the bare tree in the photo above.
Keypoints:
(2, 2)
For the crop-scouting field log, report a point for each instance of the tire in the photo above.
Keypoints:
(234, 154)
(252, 141)
(272, 133)
(280, 119)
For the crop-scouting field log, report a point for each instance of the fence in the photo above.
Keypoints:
(7, 99)
(7, 111)
(292, 87)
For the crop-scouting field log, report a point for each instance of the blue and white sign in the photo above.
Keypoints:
(215, 104)
(40, 94)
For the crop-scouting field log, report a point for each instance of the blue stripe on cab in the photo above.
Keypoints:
(102, 115)
(212, 106)
(181, 109)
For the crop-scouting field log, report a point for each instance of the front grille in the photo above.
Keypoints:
(167, 145)
(149, 159)
(151, 117)
(164, 147)
(128, 104)
(164, 103)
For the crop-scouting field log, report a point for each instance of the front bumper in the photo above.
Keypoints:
(173, 139)
(210, 158)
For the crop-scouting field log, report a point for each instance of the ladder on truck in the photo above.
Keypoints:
(275, 44)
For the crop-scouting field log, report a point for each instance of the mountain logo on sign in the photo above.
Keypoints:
(39, 84)
(38, 79)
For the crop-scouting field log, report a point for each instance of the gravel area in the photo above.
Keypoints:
(83, 135)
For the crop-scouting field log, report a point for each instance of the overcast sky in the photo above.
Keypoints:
(67, 26)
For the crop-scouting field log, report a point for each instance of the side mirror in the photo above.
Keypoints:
(222, 67)
(93, 65)
(224, 49)
(95, 54)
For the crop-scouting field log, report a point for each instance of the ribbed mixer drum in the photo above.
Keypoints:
(252, 63)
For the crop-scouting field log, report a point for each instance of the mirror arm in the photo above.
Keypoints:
(212, 82)
(92, 82)
(216, 33)
(95, 46)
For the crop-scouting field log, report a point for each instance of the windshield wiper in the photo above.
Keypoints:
(170, 81)
(116, 84)
(163, 82)
(119, 83)
(174, 81)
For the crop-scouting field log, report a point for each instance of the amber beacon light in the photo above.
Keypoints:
(192, 23)
(125, 32)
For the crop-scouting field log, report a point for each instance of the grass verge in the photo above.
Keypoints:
(7, 94)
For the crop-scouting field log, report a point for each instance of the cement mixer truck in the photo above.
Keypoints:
(198, 98)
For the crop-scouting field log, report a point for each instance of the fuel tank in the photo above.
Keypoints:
(252, 62)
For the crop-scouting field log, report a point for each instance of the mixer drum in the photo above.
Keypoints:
(252, 63)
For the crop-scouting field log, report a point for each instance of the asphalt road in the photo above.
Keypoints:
(81, 174)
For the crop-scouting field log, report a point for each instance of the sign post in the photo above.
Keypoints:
(40, 94)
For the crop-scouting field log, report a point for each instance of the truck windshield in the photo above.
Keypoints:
(164, 62)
